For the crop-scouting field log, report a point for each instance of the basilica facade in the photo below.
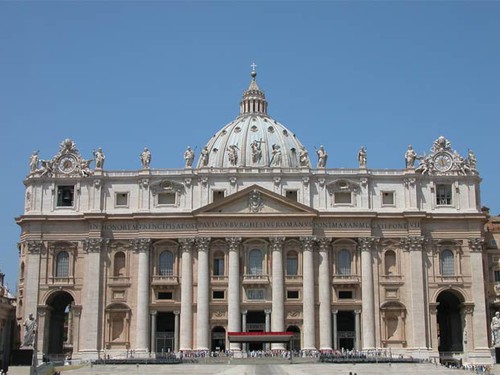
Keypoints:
(255, 235)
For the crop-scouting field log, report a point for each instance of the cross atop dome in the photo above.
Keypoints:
(254, 73)
(254, 100)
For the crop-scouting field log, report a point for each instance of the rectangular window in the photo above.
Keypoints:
(443, 195)
(165, 295)
(255, 294)
(345, 294)
(342, 197)
(121, 199)
(166, 199)
(218, 294)
(291, 194)
(218, 266)
(497, 276)
(217, 195)
(292, 294)
(65, 195)
(388, 198)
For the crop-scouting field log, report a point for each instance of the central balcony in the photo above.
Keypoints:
(255, 279)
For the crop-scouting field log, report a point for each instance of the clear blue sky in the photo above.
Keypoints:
(161, 74)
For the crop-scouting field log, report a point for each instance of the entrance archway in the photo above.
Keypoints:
(296, 337)
(449, 323)
(60, 327)
(218, 339)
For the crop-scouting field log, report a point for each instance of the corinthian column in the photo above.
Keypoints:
(479, 330)
(142, 246)
(278, 291)
(368, 299)
(202, 332)
(325, 298)
(92, 311)
(233, 302)
(308, 313)
(32, 274)
(418, 310)
(186, 324)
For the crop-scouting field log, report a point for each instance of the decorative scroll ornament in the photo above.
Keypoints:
(476, 244)
(277, 243)
(94, 245)
(67, 162)
(255, 201)
(141, 244)
(413, 243)
(444, 160)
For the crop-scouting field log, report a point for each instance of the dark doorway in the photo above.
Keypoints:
(497, 355)
(296, 338)
(256, 322)
(449, 323)
(346, 334)
(165, 332)
(60, 327)
(218, 339)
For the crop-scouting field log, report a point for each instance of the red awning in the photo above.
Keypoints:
(260, 336)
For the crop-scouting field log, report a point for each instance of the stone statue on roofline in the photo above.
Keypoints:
(322, 157)
(145, 158)
(362, 157)
(189, 157)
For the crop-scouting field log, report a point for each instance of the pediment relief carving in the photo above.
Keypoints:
(343, 185)
(167, 186)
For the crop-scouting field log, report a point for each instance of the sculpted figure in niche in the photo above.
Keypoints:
(233, 155)
(322, 157)
(495, 329)
(276, 157)
(30, 327)
(362, 157)
(189, 157)
(204, 156)
(99, 158)
(256, 150)
(303, 157)
(145, 158)
(34, 161)
(410, 156)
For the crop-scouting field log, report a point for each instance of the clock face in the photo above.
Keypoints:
(67, 164)
(443, 162)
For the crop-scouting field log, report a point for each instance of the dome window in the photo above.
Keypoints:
(253, 128)
(237, 129)
(270, 129)
(285, 133)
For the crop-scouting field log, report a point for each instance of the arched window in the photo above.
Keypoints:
(218, 269)
(166, 263)
(21, 271)
(344, 259)
(390, 263)
(255, 262)
(447, 263)
(62, 264)
(292, 263)
(119, 265)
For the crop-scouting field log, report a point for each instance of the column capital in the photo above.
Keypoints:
(308, 242)
(366, 243)
(335, 311)
(357, 311)
(203, 243)
(324, 242)
(34, 246)
(476, 244)
(141, 245)
(186, 244)
(467, 308)
(267, 311)
(153, 312)
(413, 243)
(176, 312)
(95, 245)
(277, 243)
(233, 242)
(433, 307)
(244, 312)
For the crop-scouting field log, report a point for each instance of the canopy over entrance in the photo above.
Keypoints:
(260, 337)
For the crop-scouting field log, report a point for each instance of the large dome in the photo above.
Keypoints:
(254, 139)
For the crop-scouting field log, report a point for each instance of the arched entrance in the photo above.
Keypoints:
(218, 339)
(59, 332)
(296, 337)
(449, 321)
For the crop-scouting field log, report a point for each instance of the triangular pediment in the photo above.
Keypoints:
(255, 200)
